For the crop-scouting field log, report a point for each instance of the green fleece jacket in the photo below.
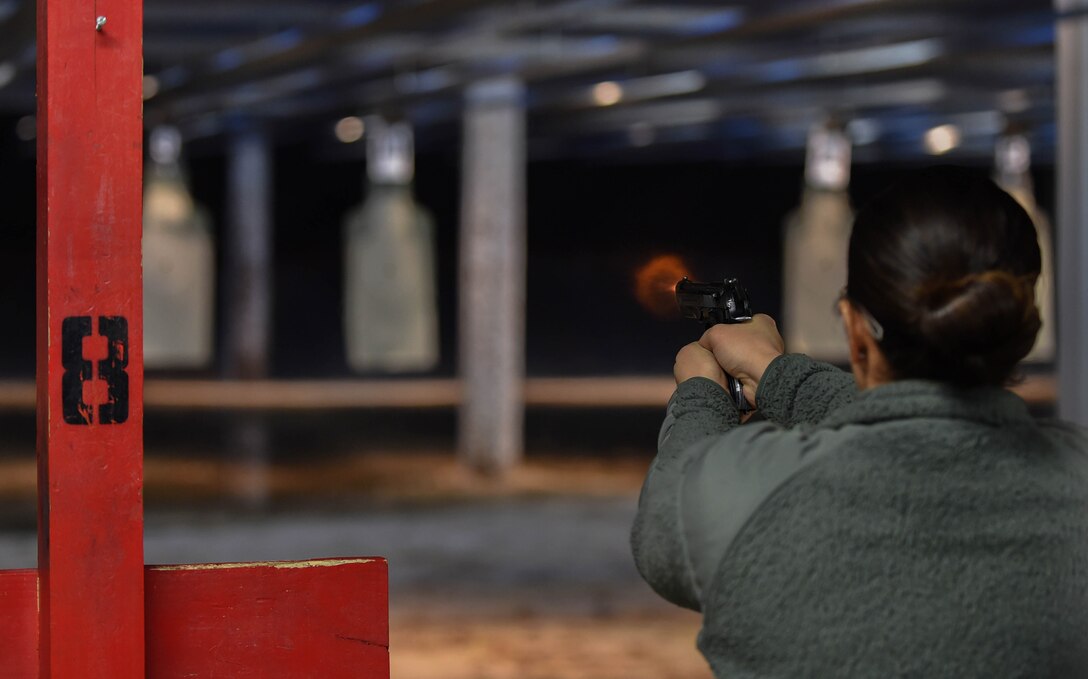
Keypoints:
(911, 530)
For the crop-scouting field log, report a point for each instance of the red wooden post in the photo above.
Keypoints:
(83, 613)
(90, 378)
(19, 624)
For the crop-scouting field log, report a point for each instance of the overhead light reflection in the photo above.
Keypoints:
(350, 130)
(607, 93)
(649, 87)
(942, 139)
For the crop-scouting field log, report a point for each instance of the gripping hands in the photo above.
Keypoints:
(737, 346)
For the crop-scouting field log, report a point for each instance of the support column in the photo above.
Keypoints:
(492, 277)
(249, 257)
(1072, 224)
(248, 317)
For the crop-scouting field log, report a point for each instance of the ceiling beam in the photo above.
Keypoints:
(258, 61)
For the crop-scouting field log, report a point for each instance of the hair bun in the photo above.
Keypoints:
(982, 324)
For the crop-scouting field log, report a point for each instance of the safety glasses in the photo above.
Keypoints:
(875, 328)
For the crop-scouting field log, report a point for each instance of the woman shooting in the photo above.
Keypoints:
(906, 519)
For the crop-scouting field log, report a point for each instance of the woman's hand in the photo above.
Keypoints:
(744, 350)
(695, 361)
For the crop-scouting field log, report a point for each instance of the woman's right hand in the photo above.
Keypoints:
(744, 350)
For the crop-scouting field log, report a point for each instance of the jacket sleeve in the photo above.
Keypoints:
(798, 390)
(698, 411)
(731, 478)
(709, 477)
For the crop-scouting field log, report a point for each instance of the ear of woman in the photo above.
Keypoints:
(867, 361)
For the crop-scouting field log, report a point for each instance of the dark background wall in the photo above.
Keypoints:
(592, 225)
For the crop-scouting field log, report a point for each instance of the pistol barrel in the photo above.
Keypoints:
(711, 303)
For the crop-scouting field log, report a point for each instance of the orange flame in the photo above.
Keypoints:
(655, 284)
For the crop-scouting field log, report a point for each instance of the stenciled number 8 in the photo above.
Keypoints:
(78, 370)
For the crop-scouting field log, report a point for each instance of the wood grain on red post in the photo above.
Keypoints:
(90, 436)
(19, 624)
(325, 618)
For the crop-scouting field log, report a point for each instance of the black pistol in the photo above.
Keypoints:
(714, 303)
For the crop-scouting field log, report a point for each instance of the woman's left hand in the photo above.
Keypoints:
(695, 361)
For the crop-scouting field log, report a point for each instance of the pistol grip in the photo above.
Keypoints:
(737, 394)
(735, 391)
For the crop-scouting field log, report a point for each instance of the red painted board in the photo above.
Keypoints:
(19, 624)
(89, 372)
(326, 618)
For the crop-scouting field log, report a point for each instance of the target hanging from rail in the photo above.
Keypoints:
(390, 312)
(179, 262)
(815, 243)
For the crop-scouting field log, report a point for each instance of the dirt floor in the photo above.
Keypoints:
(525, 577)
(623, 646)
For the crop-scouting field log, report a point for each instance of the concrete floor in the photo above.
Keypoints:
(493, 549)
(487, 589)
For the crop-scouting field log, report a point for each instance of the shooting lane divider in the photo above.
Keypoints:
(92, 609)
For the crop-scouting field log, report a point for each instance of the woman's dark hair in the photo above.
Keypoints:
(947, 263)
